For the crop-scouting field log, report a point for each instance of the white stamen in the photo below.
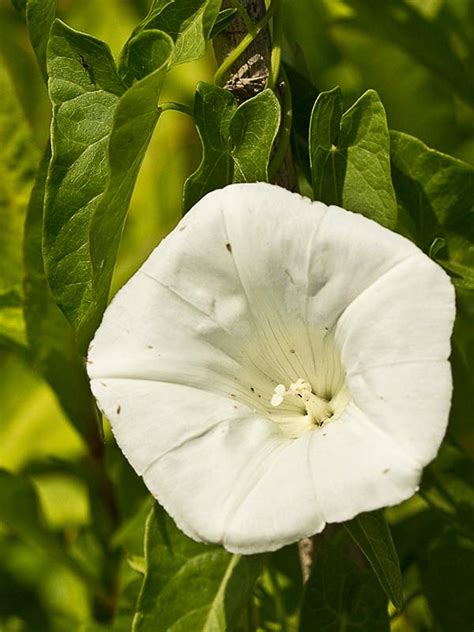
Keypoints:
(318, 410)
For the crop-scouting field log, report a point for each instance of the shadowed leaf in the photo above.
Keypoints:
(436, 195)
(340, 595)
(349, 155)
(371, 532)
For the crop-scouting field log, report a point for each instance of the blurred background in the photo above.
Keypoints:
(328, 47)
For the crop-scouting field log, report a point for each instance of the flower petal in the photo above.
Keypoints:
(356, 467)
(405, 315)
(282, 507)
(408, 401)
(394, 341)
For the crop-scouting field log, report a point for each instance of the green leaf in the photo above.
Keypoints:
(349, 154)
(214, 108)
(51, 339)
(84, 89)
(372, 534)
(253, 130)
(134, 121)
(340, 595)
(447, 577)
(191, 586)
(224, 18)
(40, 16)
(100, 133)
(188, 22)
(323, 131)
(436, 195)
(236, 140)
(428, 41)
(18, 158)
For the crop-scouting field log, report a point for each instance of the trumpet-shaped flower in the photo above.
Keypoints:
(276, 365)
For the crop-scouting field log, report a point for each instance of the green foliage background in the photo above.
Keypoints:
(70, 561)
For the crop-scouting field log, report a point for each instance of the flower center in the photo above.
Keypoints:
(317, 410)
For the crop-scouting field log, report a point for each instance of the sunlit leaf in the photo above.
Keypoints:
(340, 595)
(372, 534)
(100, 132)
(188, 22)
(51, 339)
(134, 122)
(191, 586)
(349, 155)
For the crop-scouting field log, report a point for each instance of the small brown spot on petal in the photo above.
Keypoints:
(252, 389)
(181, 228)
(386, 470)
(292, 351)
(119, 408)
(229, 247)
(150, 346)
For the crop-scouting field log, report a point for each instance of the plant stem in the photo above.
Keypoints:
(230, 60)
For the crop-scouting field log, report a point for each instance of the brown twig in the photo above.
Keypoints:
(249, 74)
(306, 553)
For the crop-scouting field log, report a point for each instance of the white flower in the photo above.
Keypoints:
(276, 365)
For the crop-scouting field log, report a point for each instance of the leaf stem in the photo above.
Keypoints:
(275, 61)
(285, 129)
(243, 45)
(177, 107)
(249, 25)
